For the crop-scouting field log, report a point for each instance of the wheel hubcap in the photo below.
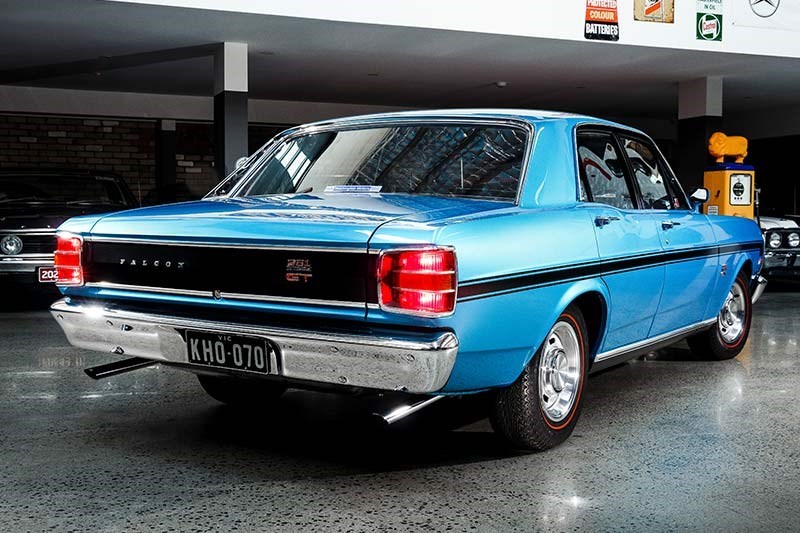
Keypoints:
(732, 317)
(559, 371)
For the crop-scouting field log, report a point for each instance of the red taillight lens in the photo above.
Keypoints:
(418, 281)
(68, 260)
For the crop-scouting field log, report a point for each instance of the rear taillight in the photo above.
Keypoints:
(421, 282)
(68, 260)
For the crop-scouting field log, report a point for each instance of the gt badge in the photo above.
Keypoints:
(298, 270)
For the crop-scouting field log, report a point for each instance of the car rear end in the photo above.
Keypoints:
(292, 313)
(279, 280)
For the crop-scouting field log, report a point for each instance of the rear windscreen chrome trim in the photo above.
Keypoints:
(378, 122)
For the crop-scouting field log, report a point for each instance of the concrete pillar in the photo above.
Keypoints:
(699, 115)
(230, 106)
(165, 161)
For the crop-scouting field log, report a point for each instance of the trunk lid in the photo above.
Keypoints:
(298, 249)
(346, 220)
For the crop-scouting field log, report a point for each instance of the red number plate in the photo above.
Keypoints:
(48, 275)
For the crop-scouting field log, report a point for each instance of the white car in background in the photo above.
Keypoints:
(782, 244)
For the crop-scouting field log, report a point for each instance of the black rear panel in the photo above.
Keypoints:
(319, 275)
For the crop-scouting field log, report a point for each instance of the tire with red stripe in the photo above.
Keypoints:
(540, 409)
(729, 334)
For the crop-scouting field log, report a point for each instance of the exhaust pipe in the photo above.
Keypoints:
(118, 367)
(405, 410)
(761, 284)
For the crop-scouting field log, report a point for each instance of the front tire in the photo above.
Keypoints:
(540, 409)
(728, 336)
(240, 392)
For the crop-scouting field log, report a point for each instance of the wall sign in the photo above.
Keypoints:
(654, 11)
(602, 21)
(709, 20)
(764, 8)
(767, 14)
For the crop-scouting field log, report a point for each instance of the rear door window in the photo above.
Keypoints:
(604, 176)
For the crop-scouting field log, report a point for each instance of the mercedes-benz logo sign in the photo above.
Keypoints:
(10, 245)
(764, 8)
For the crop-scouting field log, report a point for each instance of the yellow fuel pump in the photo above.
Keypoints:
(731, 184)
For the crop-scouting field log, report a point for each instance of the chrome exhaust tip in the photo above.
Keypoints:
(761, 285)
(403, 411)
(118, 367)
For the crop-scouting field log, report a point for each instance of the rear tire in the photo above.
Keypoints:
(240, 392)
(540, 409)
(729, 334)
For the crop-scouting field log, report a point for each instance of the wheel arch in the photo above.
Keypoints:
(747, 268)
(593, 307)
(592, 299)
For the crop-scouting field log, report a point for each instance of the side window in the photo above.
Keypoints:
(655, 182)
(602, 170)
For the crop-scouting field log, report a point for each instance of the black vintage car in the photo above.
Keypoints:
(33, 203)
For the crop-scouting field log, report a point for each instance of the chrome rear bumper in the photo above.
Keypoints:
(17, 264)
(417, 363)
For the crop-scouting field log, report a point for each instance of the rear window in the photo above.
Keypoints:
(482, 161)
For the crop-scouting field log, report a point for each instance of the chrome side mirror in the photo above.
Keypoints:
(698, 197)
(240, 162)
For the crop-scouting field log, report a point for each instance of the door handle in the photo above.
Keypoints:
(604, 220)
(669, 224)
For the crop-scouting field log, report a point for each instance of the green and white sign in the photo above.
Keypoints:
(709, 20)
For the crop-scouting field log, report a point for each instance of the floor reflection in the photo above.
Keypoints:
(665, 442)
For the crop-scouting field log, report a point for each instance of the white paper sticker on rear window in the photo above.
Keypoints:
(354, 188)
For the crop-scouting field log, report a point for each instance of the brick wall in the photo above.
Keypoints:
(194, 151)
(123, 147)
(194, 154)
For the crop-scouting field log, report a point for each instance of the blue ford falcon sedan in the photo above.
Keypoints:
(429, 253)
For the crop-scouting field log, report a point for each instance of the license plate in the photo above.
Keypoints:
(48, 275)
(237, 352)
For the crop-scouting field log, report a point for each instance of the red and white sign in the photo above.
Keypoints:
(602, 20)
(48, 275)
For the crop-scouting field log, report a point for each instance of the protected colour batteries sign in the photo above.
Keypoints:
(602, 22)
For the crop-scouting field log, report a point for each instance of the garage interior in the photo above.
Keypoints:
(170, 97)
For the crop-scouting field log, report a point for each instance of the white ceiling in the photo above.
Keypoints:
(304, 59)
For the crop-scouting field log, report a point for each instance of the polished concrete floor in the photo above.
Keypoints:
(665, 443)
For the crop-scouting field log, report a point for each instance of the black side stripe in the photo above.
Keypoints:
(482, 288)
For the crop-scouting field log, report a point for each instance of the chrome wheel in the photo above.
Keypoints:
(559, 371)
(732, 318)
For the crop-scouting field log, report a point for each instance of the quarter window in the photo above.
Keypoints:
(603, 176)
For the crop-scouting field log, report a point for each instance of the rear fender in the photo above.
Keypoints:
(494, 353)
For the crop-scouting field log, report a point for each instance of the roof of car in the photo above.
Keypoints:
(527, 115)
